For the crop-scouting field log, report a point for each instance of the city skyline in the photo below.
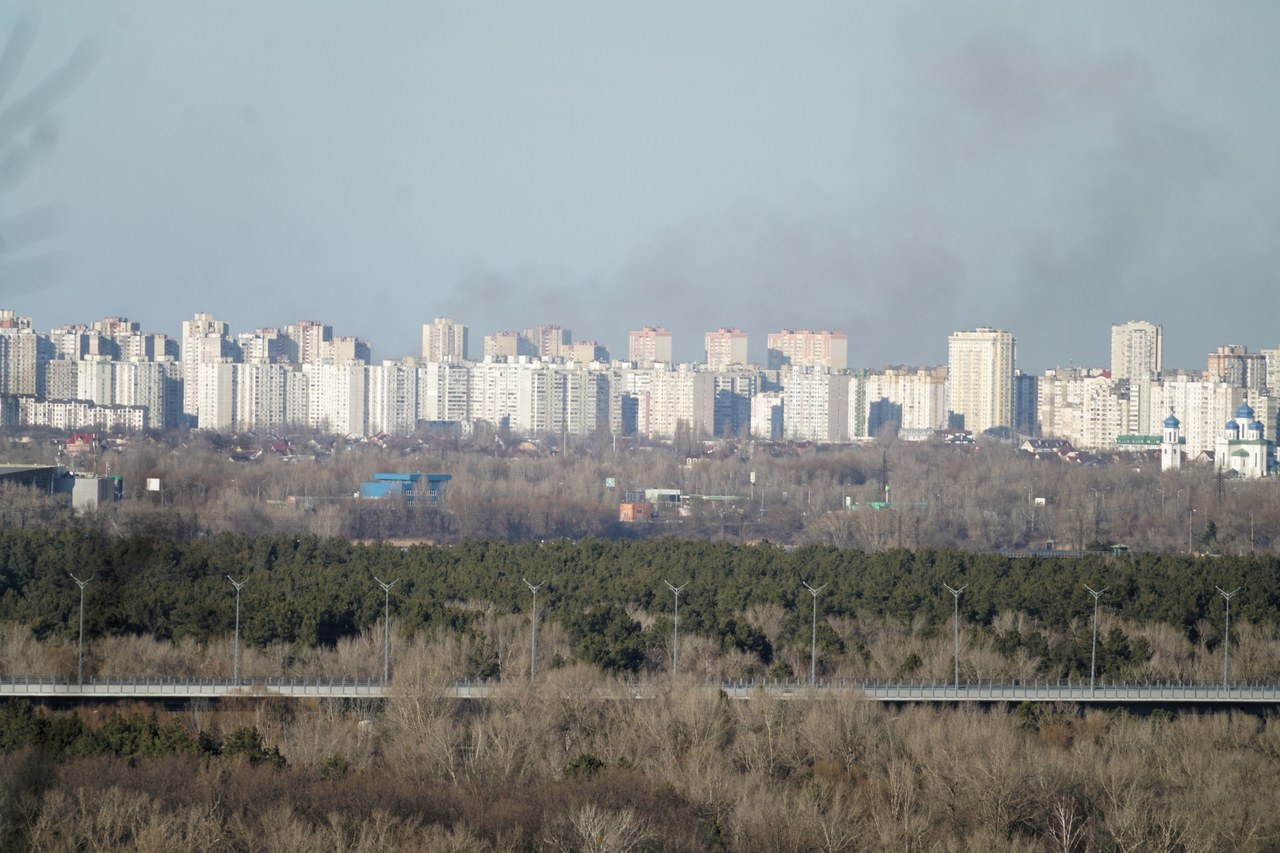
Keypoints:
(895, 171)
(622, 351)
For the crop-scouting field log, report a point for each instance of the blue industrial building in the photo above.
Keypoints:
(407, 486)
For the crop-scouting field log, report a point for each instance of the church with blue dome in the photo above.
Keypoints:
(1243, 447)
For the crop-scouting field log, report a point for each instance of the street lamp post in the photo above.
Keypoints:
(955, 593)
(675, 630)
(1226, 638)
(80, 654)
(235, 667)
(1093, 658)
(813, 647)
(533, 628)
(386, 627)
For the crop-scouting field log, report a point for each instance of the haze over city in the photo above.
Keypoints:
(897, 171)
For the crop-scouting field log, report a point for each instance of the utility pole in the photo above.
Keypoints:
(675, 630)
(533, 629)
(80, 655)
(386, 628)
(955, 593)
(813, 648)
(1226, 636)
(1093, 658)
(235, 669)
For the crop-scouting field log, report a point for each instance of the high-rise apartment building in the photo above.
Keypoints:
(548, 341)
(1239, 368)
(507, 346)
(651, 345)
(23, 355)
(1137, 350)
(204, 340)
(309, 339)
(808, 348)
(444, 340)
(726, 347)
(980, 378)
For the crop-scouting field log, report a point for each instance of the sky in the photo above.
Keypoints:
(896, 170)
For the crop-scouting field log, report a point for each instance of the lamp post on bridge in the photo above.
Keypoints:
(955, 593)
(813, 647)
(1226, 636)
(235, 667)
(533, 628)
(1093, 657)
(386, 628)
(675, 630)
(80, 653)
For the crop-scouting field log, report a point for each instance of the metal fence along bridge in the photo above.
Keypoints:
(177, 690)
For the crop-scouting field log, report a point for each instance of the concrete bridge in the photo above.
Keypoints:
(179, 690)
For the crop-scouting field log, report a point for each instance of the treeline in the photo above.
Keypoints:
(611, 599)
(123, 735)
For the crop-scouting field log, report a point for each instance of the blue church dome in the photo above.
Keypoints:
(1244, 413)
(1171, 422)
(1257, 426)
(1231, 427)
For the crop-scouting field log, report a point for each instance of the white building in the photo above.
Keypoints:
(444, 391)
(336, 395)
(980, 378)
(1083, 406)
(815, 405)
(1201, 407)
(913, 399)
(1243, 448)
(444, 340)
(1137, 350)
(204, 340)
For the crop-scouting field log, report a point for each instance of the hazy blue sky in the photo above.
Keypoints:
(893, 169)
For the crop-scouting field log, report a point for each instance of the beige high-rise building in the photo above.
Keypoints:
(651, 345)
(725, 347)
(444, 340)
(980, 378)
(808, 348)
(1137, 350)
(548, 341)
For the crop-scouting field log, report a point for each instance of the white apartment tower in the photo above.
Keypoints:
(204, 340)
(651, 345)
(725, 347)
(1137, 350)
(444, 340)
(980, 378)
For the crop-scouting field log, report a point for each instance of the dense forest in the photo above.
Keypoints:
(610, 600)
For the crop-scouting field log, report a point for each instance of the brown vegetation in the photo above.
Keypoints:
(942, 496)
